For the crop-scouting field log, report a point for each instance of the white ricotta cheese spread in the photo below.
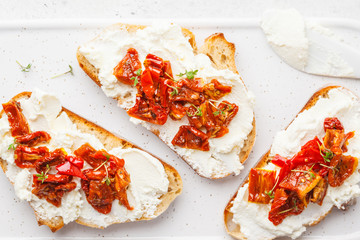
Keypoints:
(148, 178)
(168, 42)
(253, 218)
(303, 44)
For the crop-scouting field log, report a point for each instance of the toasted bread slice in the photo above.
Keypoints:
(216, 47)
(234, 229)
(109, 141)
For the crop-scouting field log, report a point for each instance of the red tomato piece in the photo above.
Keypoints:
(341, 168)
(53, 188)
(51, 159)
(284, 204)
(332, 123)
(148, 111)
(34, 138)
(261, 182)
(192, 138)
(215, 90)
(76, 161)
(126, 70)
(69, 169)
(147, 84)
(18, 123)
(26, 157)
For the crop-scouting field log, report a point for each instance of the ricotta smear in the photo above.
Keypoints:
(168, 42)
(253, 218)
(148, 178)
(306, 45)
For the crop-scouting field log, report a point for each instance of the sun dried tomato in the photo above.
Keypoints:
(301, 180)
(215, 90)
(186, 90)
(309, 154)
(148, 111)
(319, 192)
(346, 138)
(332, 123)
(192, 138)
(154, 61)
(108, 173)
(214, 118)
(94, 175)
(167, 70)
(99, 196)
(334, 140)
(125, 71)
(34, 138)
(161, 94)
(284, 204)
(84, 152)
(51, 159)
(26, 157)
(18, 123)
(147, 84)
(225, 113)
(69, 169)
(122, 181)
(177, 111)
(341, 168)
(261, 182)
(53, 188)
(77, 161)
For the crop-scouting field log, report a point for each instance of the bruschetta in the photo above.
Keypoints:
(70, 169)
(192, 99)
(311, 167)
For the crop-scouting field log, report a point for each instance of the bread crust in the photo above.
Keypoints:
(234, 229)
(109, 140)
(216, 47)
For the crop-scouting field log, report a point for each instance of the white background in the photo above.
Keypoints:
(280, 92)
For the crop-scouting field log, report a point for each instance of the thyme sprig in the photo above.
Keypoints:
(175, 91)
(61, 74)
(13, 145)
(136, 78)
(328, 153)
(271, 192)
(23, 68)
(170, 77)
(43, 175)
(106, 179)
(189, 74)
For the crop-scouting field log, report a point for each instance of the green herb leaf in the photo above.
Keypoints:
(285, 211)
(189, 75)
(175, 91)
(270, 194)
(326, 153)
(24, 69)
(107, 181)
(138, 72)
(70, 71)
(169, 76)
(13, 145)
(136, 80)
(42, 176)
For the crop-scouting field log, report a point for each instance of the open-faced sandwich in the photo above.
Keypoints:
(193, 100)
(70, 169)
(311, 167)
